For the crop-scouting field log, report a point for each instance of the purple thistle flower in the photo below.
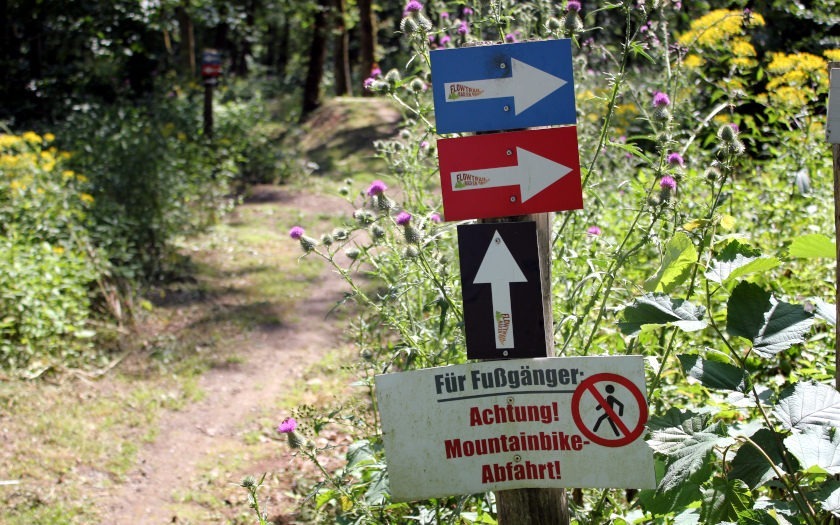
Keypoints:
(593, 230)
(296, 232)
(424, 144)
(403, 218)
(369, 82)
(468, 11)
(661, 100)
(573, 5)
(413, 6)
(510, 38)
(444, 15)
(288, 425)
(445, 39)
(375, 72)
(668, 183)
(435, 217)
(376, 187)
(676, 159)
(464, 28)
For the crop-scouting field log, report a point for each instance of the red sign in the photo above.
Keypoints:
(506, 174)
(617, 426)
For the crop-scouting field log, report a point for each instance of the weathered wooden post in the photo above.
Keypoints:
(832, 132)
(211, 68)
(544, 506)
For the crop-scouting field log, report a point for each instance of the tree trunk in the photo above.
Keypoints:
(186, 52)
(341, 51)
(367, 39)
(317, 57)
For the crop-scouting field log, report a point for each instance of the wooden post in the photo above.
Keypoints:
(536, 506)
(208, 107)
(833, 137)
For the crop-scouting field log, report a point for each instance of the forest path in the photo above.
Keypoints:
(171, 480)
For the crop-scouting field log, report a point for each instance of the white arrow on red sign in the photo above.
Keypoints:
(532, 174)
(526, 84)
(499, 270)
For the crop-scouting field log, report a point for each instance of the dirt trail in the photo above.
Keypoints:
(274, 360)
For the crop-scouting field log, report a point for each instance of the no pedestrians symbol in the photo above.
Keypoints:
(609, 409)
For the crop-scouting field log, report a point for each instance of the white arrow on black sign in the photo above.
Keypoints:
(526, 84)
(532, 173)
(499, 269)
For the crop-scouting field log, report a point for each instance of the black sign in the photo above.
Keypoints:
(500, 282)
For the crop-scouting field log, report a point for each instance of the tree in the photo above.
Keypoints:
(317, 58)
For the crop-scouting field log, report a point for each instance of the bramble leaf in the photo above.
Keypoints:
(751, 466)
(771, 325)
(659, 309)
(724, 500)
(737, 260)
(829, 497)
(679, 255)
(688, 446)
(816, 448)
(808, 404)
(713, 374)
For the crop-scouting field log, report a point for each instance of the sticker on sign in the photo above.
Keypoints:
(537, 423)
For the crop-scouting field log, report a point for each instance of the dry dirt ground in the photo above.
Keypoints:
(273, 360)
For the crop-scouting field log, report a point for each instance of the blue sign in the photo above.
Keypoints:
(504, 86)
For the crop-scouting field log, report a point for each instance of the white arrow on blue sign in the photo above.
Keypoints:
(504, 86)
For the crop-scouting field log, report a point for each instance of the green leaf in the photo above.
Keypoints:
(713, 374)
(675, 268)
(724, 500)
(378, 491)
(689, 447)
(750, 465)
(737, 260)
(771, 325)
(818, 448)
(808, 404)
(829, 497)
(811, 246)
(653, 310)
(756, 517)
(360, 454)
(632, 149)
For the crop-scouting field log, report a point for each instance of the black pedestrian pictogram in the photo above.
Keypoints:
(626, 425)
(612, 401)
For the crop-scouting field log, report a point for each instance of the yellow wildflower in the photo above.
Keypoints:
(81, 178)
(693, 61)
(717, 27)
(788, 96)
(68, 174)
(832, 54)
(9, 141)
(742, 48)
(49, 137)
(9, 161)
(744, 62)
(86, 198)
(17, 185)
(47, 161)
(59, 250)
(32, 137)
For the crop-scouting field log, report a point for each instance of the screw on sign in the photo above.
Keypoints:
(609, 416)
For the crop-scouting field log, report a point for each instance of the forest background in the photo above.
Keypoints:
(705, 243)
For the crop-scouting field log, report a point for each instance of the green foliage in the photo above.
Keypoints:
(47, 260)
(152, 177)
(706, 279)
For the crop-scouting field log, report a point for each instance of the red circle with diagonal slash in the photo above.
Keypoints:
(629, 435)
